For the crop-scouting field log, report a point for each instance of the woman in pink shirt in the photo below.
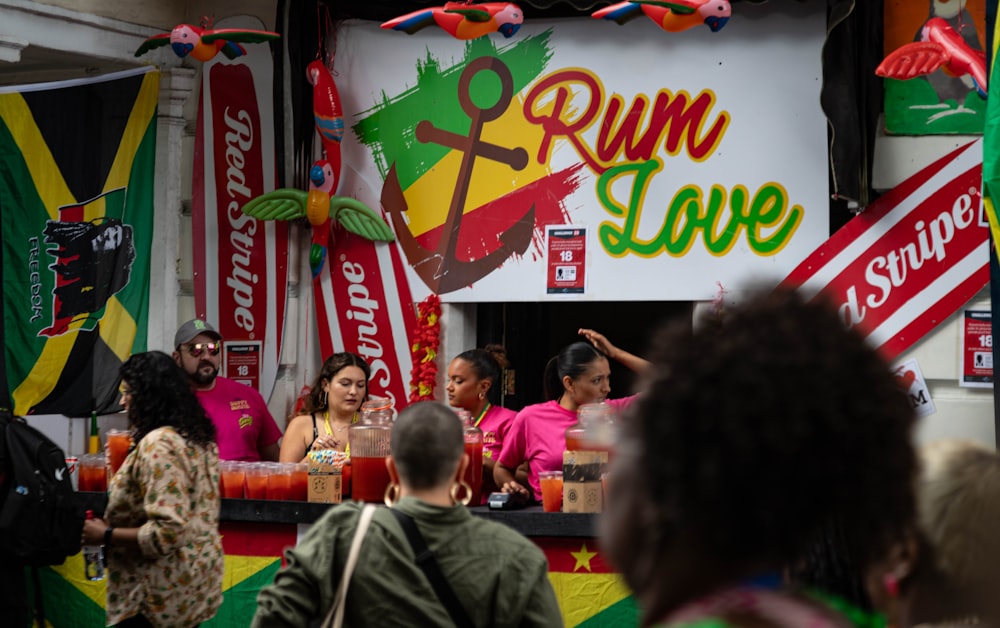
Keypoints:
(578, 375)
(473, 378)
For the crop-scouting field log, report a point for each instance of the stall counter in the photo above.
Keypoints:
(256, 532)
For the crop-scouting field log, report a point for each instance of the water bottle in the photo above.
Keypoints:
(93, 558)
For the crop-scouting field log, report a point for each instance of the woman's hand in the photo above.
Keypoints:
(93, 532)
(604, 345)
(324, 441)
(518, 493)
(600, 342)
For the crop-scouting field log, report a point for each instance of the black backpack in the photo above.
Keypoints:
(40, 516)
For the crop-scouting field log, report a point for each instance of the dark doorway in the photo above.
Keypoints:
(534, 332)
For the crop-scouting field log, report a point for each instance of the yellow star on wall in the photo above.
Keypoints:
(582, 558)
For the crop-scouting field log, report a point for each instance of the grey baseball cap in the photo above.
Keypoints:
(189, 330)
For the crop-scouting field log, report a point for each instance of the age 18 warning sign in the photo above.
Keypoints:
(977, 349)
(567, 260)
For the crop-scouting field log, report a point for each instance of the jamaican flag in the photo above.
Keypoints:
(76, 219)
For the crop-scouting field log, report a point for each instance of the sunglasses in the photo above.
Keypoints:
(196, 350)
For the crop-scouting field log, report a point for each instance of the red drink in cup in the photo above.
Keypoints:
(256, 481)
(117, 446)
(552, 490)
(232, 478)
(279, 481)
(299, 486)
(93, 473)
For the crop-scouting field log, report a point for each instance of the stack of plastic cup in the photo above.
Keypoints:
(233, 478)
(256, 480)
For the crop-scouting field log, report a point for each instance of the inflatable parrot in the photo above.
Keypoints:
(203, 42)
(321, 208)
(940, 47)
(328, 115)
(463, 20)
(671, 15)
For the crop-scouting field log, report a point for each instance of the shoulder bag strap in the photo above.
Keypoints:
(429, 565)
(335, 617)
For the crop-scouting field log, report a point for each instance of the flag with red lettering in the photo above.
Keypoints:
(240, 262)
(911, 259)
(76, 219)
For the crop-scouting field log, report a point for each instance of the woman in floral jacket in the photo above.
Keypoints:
(161, 527)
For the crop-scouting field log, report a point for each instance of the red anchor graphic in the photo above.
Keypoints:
(439, 268)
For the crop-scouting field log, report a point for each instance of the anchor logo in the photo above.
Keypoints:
(439, 268)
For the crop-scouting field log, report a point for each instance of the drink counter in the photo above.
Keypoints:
(256, 532)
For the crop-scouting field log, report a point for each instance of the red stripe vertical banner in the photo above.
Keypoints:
(364, 305)
(240, 262)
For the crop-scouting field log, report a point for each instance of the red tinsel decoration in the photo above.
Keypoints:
(426, 339)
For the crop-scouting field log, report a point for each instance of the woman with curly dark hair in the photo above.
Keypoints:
(161, 528)
(752, 434)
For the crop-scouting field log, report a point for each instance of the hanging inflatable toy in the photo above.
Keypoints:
(940, 47)
(321, 208)
(328, 116)
(463, 20)
(671, 15)
(203, 42)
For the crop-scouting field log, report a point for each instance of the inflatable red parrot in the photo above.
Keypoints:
(463, 20)
(203, 42)
(671, 15)
(939, 47)
(327, 115)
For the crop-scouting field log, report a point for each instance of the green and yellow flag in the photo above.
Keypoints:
(76, 219)
(991, 131)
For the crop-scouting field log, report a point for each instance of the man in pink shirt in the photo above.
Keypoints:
(244, 426)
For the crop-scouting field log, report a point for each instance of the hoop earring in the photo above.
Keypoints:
(482, 395)
(326, 397)
(891, 584)
(391, 495)
(454, 492)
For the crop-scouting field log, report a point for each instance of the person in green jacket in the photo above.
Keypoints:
(499, 577)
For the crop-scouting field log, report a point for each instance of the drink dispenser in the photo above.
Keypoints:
(369, 439)
(474, 448)
(594, 429)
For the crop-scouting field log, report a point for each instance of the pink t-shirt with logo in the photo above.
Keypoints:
(243, 424)
(538, 435)
(495, 424)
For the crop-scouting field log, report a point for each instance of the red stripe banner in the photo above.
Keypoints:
(911, 259)
(240, 263)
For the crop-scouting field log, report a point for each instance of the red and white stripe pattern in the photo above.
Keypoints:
(240, 262)
(364, 305)
(911, 259)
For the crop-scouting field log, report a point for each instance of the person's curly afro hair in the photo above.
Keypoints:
(762, 425)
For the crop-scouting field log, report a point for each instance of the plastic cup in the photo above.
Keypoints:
(279, 480)
(256, 480)
(232, 477)
(299, 485)
(552, 490)
(116, 447)
(72, 462)
(93, 473)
